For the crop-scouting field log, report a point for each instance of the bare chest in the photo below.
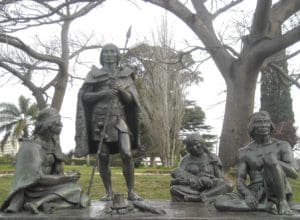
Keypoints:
(255, 158)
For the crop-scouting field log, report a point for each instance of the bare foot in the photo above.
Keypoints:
(284, 208)
(271, 208)
(10, 210)
(132, 196)
(32, 207)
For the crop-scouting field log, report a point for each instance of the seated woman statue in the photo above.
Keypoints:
(268, 162)
(39, 183)
(199, 177)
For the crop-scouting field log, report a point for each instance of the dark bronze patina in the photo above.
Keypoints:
(109, 94)
(199, 176)
(268, 162)
(39, 183)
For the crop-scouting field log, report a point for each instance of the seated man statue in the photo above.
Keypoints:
(199, 177)
(39, 183)
(268, 162)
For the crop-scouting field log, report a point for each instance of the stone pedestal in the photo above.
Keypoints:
(179, 210)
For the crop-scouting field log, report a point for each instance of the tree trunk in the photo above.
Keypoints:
(239, 105)
(62, 80)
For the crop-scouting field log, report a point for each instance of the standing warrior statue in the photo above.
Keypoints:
(107, 110)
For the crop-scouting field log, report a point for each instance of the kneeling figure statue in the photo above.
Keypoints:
(199, 177)
(39, 183)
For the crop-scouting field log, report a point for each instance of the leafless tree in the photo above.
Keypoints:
(239, 69)
(162, 90)
(23, 59)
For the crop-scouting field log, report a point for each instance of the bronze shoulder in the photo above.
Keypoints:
(95, 75)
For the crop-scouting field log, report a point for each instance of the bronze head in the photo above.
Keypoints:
(108, 47)
(48, 121)
(195, 144)
(256, 116)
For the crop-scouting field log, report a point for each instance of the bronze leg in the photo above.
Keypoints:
(274, 177)
(128, 164)
(220, 188)
(33, 206)
(105, 173)
(16, 203)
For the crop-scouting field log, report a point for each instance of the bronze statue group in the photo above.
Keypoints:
(107, 123)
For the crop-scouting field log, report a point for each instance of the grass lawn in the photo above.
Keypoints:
(150, 183)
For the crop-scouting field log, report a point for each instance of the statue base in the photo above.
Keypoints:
(174, 210)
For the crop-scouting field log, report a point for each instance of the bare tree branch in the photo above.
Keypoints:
(16, 42)
(201, 9)
(289, 56)
(225, 8)
(203, 28)
(284, 74)
(44, 15)
(36, 91)
(261, 17)
(268, 47)
(283, 9)
(82, 49)
(84, 10)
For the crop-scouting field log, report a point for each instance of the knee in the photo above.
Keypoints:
(126, 156)
(103, 158)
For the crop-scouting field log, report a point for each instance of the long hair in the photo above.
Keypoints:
(117, 50)
(256, 115)
(195, 138)
(46, 118)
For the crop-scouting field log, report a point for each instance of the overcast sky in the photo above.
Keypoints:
(110, 24)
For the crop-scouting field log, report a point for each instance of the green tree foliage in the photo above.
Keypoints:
(16, 120)
(276, 98)
(194, 121)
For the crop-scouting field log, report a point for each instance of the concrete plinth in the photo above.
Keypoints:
(173, 211)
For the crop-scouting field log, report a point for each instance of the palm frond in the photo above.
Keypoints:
(17, 119)
(9, 109)
(4, 140)
(8, 126)
(19, 129)
(33, 111)
(4, 119)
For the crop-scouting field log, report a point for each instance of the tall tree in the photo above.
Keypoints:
(239, 68)
(276, 93)
(27, 60)
(164, 77)
(16, 121)
(194, 121)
